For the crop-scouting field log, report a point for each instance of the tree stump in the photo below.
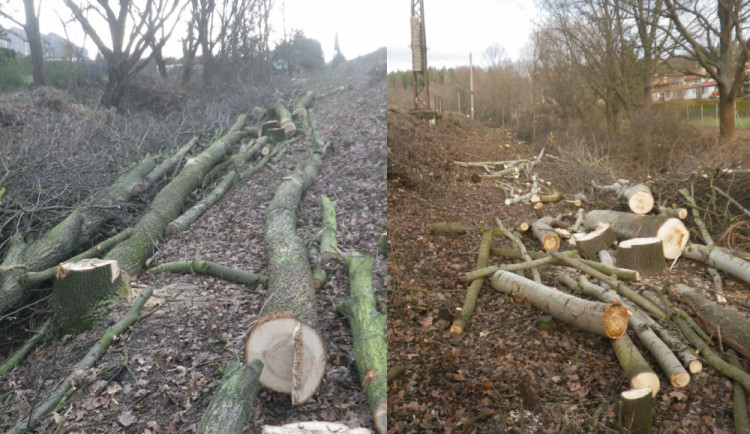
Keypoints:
(589, 245)
(81, 291)
(636, 411)
(643, 254)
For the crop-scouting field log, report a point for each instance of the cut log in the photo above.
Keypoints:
(83, 290)
(276, 135)
(211, 269)
(739, 399)
(634, 365)
(680, 213)
(732, 326)
(521, 248)
(718, 258)
(637, 321)
(132, 253)
(328, 243)
(64, 388)
(470, 302)
(636, 411)
(269, 125)
(637, 197)
(543, 231)
(643, 254)
(672, 232)
(609, 320)
(368, 333)
(621, 273)
(589, 245)
(284, 336)
(192, 214)
(232, 403)
(285, 120)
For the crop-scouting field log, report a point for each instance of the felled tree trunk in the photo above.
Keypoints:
(634, 365)
(368, 330)
(285, 120)
(82, 290)
(733, 327)
(637, 197)
(672, 232)
(589, 245)
(284, 337)
(717, 258)
(608, 320)
(636, 411)
(739, 399)
(470, 302)
(543, 231)
(232, 403)
(328, 242)
(643, 254)
(132, 253)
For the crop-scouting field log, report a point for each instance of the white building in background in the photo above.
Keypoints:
(4, 42)
(18, 41)
(55, 46)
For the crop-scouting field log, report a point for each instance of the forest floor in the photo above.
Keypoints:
(508, 371)
(161, 374)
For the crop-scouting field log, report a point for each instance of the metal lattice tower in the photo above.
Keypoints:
(420, 83)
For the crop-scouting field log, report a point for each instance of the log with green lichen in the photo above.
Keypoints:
(132, 253)
(368, 330)
(210, 269)
(232, 402)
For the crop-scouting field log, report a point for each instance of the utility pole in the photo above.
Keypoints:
(420, 81)
(471, 84)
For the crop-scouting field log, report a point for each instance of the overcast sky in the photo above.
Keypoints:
(455, 29)
(360, 25)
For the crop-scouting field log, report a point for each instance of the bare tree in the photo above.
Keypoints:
(133, 30)
(717, 35)
(35, 39)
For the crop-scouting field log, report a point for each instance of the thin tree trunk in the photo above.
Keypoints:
(470, 302)
(210, 269)
(232, 403)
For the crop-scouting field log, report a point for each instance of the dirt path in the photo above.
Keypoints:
(161, 374)
(513, 370)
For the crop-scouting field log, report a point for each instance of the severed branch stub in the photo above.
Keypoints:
(638, 197)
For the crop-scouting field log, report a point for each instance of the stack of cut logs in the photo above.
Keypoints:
(644, 243)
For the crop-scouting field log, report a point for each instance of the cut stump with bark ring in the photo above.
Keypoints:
(643, 254)
(293, 355)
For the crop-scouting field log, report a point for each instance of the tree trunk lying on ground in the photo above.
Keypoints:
(608, 320)
(61, 392)
(83, 290)
(717, 258)
(643, 254)
(470, 301)
(232, 403)
(211, 269)
(739, 399)
(545, 233)
(589, 245)
(732, 326)
(672, 232)
(285, 120)
(284, 337)
(132, 253)
(637, 197)
(368, 334)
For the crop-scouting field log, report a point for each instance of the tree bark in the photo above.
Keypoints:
(328, 242)
(636, 411)
(211, 269)
(470, 302)
(739, 399)
(284, 338)
(672, 231)
(608, 320)
(590, 244)
(35, 43)
(368, 330)
(621, 273)
(732, 326)
(637, 197)
(82, 291)
(132, 253)
(285, 120)
(544, 232)
(643, 254)
(717, 258)
(232, 403)
(62, 390)
(634, 366)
